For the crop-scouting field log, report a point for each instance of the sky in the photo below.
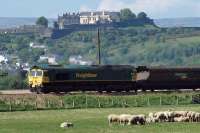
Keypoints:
(53, 8)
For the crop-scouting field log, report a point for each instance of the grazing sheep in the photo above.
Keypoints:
(66, 125)
(180, 113)
(191, 116)
(151, 118)
(133, 120)
(161, 116)
(137, 120)
(197, 117)
(125, 118)
(112, 118)
(141, 119)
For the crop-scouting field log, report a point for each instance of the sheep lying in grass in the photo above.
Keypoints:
(66, 125)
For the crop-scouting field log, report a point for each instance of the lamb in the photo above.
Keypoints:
(112, 118)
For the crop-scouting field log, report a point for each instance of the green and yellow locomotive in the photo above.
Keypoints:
(82, 78)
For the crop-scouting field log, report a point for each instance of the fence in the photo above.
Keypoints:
(47, 102)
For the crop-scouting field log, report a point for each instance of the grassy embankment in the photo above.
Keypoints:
(82, 101)
(90, 121)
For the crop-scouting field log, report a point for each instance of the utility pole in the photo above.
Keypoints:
(99, 47)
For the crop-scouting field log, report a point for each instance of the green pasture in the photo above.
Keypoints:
(90, 121)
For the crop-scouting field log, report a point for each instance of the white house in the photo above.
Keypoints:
(3, 59)
(33, 45)
(51, 59)
(79, 60)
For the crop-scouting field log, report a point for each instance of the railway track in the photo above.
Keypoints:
(140, 92)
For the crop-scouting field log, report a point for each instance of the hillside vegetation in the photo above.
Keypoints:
(148, 45)
(135, 45)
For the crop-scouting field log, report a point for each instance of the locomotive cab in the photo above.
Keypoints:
(36, 78)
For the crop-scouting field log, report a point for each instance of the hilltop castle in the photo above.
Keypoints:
(87, 18)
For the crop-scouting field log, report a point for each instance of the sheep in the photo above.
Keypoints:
(152, 118)
(137, 119)
(133, 120)
(197, 117)
(161, 116)
(125, 118)
(191, 116)
(141, 119)
(112, 118)
(181, 119)
(180, 113)
(66, 125)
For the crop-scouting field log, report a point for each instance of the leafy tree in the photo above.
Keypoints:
(142, 15)
(126, 14)
(42, 21)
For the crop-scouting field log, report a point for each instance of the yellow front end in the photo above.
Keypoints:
(35, 78)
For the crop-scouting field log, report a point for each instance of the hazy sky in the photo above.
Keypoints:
(51, 8)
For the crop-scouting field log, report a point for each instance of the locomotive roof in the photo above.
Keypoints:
(50, 67)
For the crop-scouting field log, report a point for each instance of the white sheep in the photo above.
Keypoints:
(125, 118)
(161, 116)
(181, 119)
(66, 125)
(197, 117)
(180, 113)
(191, 115)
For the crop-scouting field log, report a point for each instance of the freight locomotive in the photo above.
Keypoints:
(82, 78)
(118, 78)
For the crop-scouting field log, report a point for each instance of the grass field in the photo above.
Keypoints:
(89, 121)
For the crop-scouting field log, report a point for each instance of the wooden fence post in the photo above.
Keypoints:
(36, 106)
(136, 103)
(99, 103)
(61, 103)
(86, 102)
(160, 100)
(112, 103)
(10, 106)
(177, 100)
(148, 102)
(73, 104)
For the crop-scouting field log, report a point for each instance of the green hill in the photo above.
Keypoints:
(146, 45)
(139, 45)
